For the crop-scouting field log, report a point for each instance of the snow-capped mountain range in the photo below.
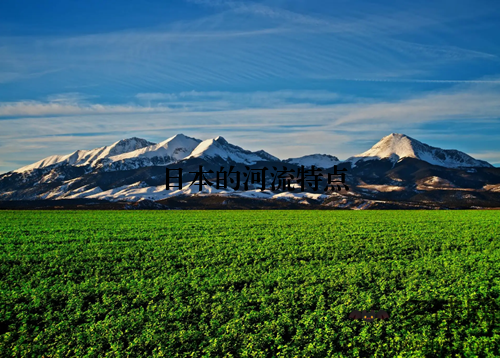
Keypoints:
(135, 152)
(133, 169)
(169, 151)
(89, 157)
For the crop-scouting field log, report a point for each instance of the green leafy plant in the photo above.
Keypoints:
(249, 283)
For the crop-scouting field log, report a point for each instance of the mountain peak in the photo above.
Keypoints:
(125, 146)
(172, 149)
(397, 135)
(88, 157)
(132, 141)
(179, 136)
(218, 147)
(219, 139)
(318, 160)
(393, 145)
(179, 139)
(396, 146)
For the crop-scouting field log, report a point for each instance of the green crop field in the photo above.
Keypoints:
(249, 283)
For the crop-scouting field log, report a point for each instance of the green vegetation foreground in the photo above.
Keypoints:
(249, 283)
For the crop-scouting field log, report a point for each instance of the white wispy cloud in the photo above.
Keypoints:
(56, 108)
(264, 10)
(72, 104)
(241, 99)
(6, 77)
(491, 156)
(464, 101)
(245, 43)
(472, 102)
(286, 129)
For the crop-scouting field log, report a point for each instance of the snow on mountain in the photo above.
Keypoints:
(266, 156)
(141, 191)
(61, 180)
(88, 157)
(177, 147)
(318, 160)
(220, 148)
(83, 192)
(396, 146)
(170, 150)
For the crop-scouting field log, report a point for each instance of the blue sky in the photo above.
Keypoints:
(292, 77)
